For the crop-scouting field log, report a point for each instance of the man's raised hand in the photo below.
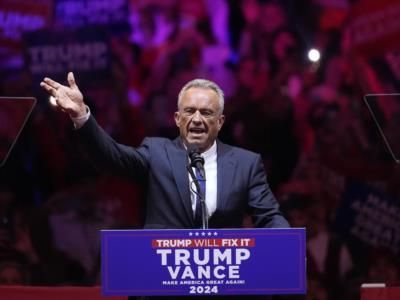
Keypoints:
(68, 98)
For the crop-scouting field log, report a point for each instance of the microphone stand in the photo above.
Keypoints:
(202, 198)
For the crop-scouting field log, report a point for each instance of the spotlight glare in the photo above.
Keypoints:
(52, 101)
(314, 55)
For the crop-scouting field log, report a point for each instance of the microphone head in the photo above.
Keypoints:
(193, 152)
(192, 148)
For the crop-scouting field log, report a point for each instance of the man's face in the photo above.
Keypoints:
(198, 117)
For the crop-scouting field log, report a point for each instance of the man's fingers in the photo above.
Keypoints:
(71, 81)
(52, 83)
(48, 88)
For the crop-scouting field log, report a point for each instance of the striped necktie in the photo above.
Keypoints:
(197, 213)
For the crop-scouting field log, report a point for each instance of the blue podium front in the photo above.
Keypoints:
(203, 262)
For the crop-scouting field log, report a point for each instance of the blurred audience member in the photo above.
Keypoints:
(13, 273)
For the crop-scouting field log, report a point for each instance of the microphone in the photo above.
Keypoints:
(196, 160)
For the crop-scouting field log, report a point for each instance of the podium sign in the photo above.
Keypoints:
(203, 262)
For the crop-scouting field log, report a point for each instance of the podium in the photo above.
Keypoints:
(380, 293)
(193, 262)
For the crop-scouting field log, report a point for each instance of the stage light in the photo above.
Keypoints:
(314, 55)
(52, 101)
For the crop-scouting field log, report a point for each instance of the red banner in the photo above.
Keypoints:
(202, 243)
(375, 26)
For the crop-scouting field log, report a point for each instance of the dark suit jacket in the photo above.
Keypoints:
(161, 164)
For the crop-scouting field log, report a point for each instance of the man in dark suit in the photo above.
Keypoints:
(235, 178)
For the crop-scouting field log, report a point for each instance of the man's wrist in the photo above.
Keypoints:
(81, 118)
(81, 112)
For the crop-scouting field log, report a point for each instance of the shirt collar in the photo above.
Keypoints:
(210, 152)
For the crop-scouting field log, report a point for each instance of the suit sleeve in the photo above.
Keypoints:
(111, 156)
(263, 205)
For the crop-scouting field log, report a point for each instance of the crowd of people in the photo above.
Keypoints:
(307, 120)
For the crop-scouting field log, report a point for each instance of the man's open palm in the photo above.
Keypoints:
(68, 98)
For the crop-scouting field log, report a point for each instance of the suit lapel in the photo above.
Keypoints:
(178, 160)
(225, 172)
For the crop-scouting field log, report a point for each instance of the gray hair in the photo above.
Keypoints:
(204, 84)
